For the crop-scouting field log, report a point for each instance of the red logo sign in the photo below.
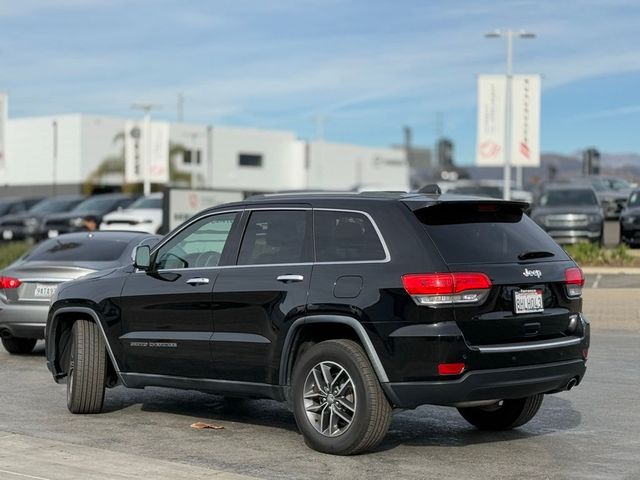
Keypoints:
(489, 149)
(524, 150)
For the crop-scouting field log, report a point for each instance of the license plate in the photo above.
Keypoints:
(528, 301)
(45, 291)
(52, 233)
(7, 234)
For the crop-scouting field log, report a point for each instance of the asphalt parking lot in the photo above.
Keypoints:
(590, 432)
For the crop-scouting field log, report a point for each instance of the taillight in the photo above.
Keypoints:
(574, 280)
(435, 289)
(9, 282)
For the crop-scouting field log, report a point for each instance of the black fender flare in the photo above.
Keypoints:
(342, 319)
(96, 318)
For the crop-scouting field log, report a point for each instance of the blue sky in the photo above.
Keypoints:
(368, 66)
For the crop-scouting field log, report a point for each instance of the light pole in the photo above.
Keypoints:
(146, 135)
(509, 35)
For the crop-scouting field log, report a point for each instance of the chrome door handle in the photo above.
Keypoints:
(198, 281)
(290, 278)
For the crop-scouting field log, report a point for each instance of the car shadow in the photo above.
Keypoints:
(424, 426)
(203, 406)
(444, 426)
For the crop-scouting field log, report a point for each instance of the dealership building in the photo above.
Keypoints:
(66, 153)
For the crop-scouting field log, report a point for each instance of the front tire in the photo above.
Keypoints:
(505, 415)
(19, 345)
(86, 375)
(338, 403)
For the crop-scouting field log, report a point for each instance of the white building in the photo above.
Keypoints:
(68, 150)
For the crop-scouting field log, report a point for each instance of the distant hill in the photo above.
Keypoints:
(621, 165)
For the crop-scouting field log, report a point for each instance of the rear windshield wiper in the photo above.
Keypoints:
(535, 254)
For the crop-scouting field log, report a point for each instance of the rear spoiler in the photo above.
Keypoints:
(415, 205)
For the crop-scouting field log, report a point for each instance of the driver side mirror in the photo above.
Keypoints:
(143, 257)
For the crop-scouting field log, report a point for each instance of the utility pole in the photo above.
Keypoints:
(146, 135)
(509, 35)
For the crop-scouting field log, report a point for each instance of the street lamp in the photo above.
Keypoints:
(509, 35)
(146, 135)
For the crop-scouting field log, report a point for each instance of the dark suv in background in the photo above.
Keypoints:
(630, 220)
(344, 306)
(570, 213)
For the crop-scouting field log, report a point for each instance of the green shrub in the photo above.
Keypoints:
(593, 255)
(9, 252)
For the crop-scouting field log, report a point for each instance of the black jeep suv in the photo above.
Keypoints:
(346, 306)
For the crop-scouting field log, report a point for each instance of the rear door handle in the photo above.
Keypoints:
(290, 278)
(198, 281)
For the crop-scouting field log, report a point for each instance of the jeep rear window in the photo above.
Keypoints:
(485, 233)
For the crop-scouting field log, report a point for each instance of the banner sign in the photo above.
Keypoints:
(182, 204)
(525, 120)
(3, 131)
(136, 144)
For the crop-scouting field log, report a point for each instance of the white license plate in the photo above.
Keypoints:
(528, 301)
(7, 234)
(45, 291)
(52, 233)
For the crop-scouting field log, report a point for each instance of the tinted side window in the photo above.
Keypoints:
(277, 236)
(346, 237)
(199, 245)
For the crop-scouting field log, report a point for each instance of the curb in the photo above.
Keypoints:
(611, 270)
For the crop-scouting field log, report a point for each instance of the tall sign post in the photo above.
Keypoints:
(3, 130)
(508, 111)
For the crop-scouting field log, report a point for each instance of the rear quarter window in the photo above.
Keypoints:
(485, 233)
(342, 236)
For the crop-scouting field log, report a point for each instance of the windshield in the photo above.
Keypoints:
(78, 250)
(96, 204)
(619, 184)
(573, 197)
(4, 208)
(55, 205)
(147, 202)
(634, 200)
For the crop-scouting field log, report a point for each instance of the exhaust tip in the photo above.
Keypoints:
(571, 383)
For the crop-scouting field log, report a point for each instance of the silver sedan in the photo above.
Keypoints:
(27, 285)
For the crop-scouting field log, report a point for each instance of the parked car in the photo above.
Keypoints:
(28, 224)
(94, 207)
(570, 213)
(612, 200)
(143, 215)
(14, 206)
(630, 220)
(344, 305)
(26, 286)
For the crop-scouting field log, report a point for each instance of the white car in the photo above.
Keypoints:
(143, 215)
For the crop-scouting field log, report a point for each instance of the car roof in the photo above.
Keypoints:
(568, 186)
(413, 200)
(115, 235)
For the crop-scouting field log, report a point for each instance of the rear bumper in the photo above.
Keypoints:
(23, 320)
(498, 384)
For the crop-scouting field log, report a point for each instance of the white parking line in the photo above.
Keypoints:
(23, 475)
(597, 281)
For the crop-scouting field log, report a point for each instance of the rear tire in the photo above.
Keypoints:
(86, 375)
(504, 416)
(19, 345)
(353, 408)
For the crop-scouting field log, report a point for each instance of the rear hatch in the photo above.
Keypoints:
(528, 298)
